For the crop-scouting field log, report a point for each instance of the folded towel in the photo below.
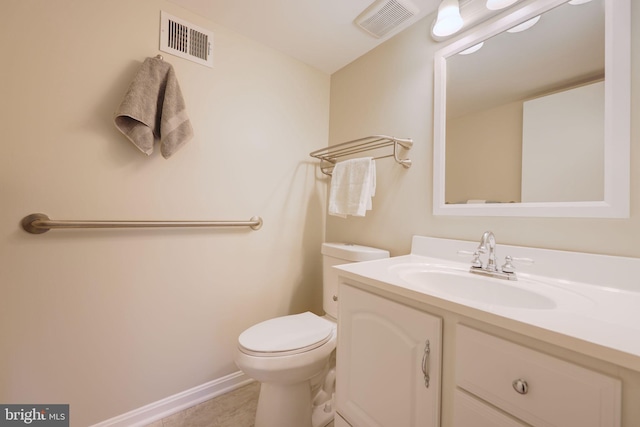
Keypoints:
(353, 184)
(153, 108)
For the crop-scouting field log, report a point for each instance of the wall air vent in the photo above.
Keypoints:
(386, 15)
(186, 40)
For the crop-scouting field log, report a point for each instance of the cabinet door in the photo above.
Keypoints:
(386, 351)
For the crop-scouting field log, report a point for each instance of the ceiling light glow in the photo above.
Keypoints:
(472, 49)
(524, 26)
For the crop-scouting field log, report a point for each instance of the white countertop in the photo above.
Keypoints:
(602, 321)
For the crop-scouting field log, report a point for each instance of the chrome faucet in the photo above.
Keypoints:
(488, 243)
(491, 269)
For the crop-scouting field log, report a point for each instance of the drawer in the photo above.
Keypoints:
(557, 393)
(469, 411)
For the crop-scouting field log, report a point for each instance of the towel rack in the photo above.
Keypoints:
(38, 223)
(330, 155)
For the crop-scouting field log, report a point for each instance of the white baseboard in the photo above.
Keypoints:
(178, 402)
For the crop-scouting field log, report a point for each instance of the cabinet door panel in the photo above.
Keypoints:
(381, 350)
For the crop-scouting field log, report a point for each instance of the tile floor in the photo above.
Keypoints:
(234, 409)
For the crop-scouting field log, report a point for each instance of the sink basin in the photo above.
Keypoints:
(456, 283)
(478, 288)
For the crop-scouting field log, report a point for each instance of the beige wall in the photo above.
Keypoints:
(490, 168)
(390, 90)
(109, 321)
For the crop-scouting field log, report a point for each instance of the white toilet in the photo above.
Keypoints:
(293, 356)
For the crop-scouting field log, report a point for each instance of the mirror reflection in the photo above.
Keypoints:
(525, 112)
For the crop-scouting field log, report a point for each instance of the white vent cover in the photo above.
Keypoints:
(385, 15)
(185, 40)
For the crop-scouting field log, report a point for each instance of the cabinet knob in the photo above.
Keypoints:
(335, 297)
(520, 386)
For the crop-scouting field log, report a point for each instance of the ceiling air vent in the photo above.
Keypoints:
(185, 40)
(385, 15)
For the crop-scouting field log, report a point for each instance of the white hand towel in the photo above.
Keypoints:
(153, 108)
(353, 184)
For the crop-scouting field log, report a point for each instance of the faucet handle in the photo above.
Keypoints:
(508, 267)
(475, 262)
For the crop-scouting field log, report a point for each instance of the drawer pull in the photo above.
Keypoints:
(520, 386)
(425, 364)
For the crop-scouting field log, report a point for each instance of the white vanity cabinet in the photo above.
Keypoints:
(529, 385)
(495, 362)
(388, 362)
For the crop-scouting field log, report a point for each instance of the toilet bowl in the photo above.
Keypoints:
(293, 356)
(289, 355)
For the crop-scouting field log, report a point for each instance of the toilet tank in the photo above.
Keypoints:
(336, 254)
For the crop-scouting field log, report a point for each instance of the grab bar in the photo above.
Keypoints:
(38, 223)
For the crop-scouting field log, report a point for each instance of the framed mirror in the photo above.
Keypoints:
(536, 122)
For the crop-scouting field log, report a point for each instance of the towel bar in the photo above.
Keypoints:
(329, 155)
(38, 223)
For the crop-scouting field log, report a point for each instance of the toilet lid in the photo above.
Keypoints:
(287, 333)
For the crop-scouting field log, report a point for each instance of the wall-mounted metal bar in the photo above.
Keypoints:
(329, 155)
(39, 223)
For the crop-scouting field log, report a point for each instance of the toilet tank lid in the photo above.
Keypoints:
(351, 252)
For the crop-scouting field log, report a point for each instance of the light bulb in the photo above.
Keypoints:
(449, 20)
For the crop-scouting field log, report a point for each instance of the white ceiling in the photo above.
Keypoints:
(320, 33)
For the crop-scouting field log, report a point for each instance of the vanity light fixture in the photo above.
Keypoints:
(449, 20)
(524, 26)
(499, 4)
(474, 48)
(578, 2)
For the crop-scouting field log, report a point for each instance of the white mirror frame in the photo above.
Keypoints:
(617, 119)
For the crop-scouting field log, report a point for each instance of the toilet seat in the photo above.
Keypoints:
(286, 335)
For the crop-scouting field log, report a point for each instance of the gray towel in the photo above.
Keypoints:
(153, 108)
